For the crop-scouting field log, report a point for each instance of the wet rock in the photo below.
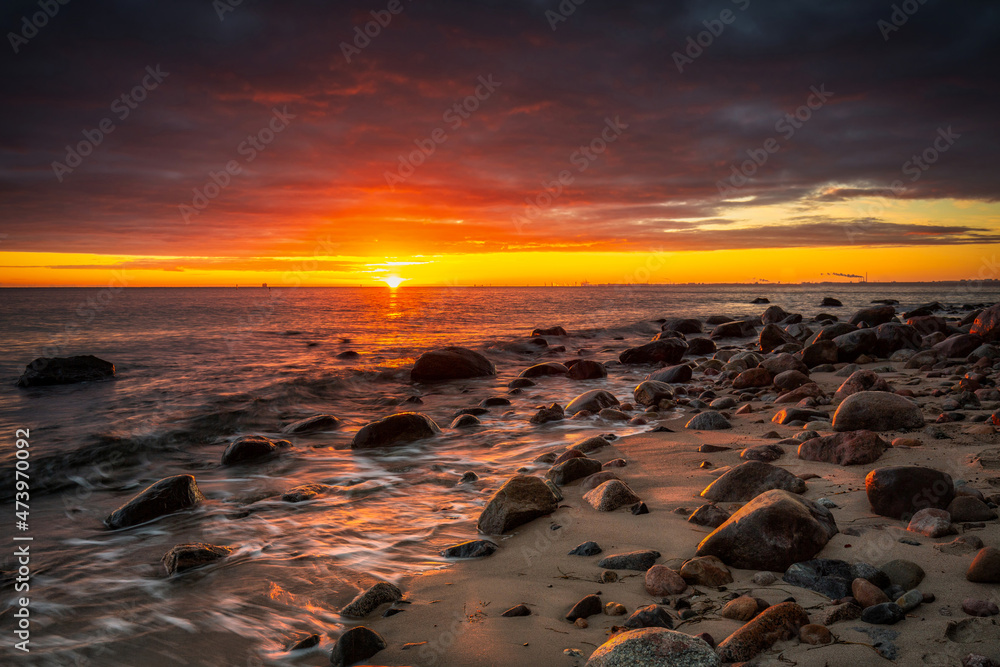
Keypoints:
(48, 371)
(830, 302)
(861, 380)
(666, 351)
(589, 606)
(706, 571)
(517, 610)
(900, 491)
(969, 508)
(471, 549)
(903, 573)
(550, 331)
(521, 499)
(771, 532)
(931, 522)
(650, 616)
(671, 374)
(987, 324)
(465, 421)
(851, 448)
(591, 444)
(572, 469)
(653, 646)
(708, 421)
(877, 411)
(586, 549)
(396, 429)
(594, 400)
(249, 448)
(985, 567)
(543, 370)
(184, 557)
(305, 492)
(611, 495)
(652, 392)
(451, 363)
(774, 624)
(586, 369)
(639, 561)
(887, 613)
(313, 424)
(709, 515)
(748, 480)
(357, 644)
(169, 495)
(661, 581)
(552, 413)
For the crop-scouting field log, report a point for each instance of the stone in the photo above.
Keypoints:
(594, 400)
(572, 469)
(771, 532)
(766, 453)
(815, 634)
(650, 616)
(551, 413)
(974, 607)
(314, 424)
(777, 623)
(873, 316)
(249, 448)
(754, 377)
(861, 380)
(931, 522)
(701, 346)
(586, 369)
(852, 346)
(708, 421)
(671, 374)
(743, 608)
(910, 600)
(776, 364)
(465, 421)
(987, 324)
(877, 411)
(820, 353)
(543, 370)
(847, 611)
(396, 429)
(521, 499)
(845, 449)
(748, 480)
(709, 515)
(305, 492)
(969, 508)
(517, 610)
(772, 336)
(588, 606)
(615, 609)
(764, 578)
(169, 495)
(586, 549)
(706, 571)
(550, 331)
(827, 576)
(903, 573)
(806, 391)
(593, 481)
(651, 392)
(368, 601)
(451, 363)
(640, 561)
(798, 414)
(867, 594)
(48, 371)
(661, 581)
(901, 491)
(985, 567)
(683, 325)
(184, 557)
(653, 646)
(611, 495)
(887, 613)
(957, 346)
(357, 644)
(666, 351)
(789, 380)
(892, 337)
(471, 549)
(736, 329)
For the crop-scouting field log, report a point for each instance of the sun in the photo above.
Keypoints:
(392, 281)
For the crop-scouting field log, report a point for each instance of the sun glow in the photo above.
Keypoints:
(392, 281)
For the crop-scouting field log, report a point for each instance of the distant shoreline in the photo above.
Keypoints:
(763, 286)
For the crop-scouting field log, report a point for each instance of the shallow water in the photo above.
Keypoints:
(199, 367)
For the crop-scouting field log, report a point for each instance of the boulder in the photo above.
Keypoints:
(356, 645)
(586, 369)
(185, 557)
(451, 363)
(873, 316)
(169, 495)
(550, 331)
(706, 571)
(862, 380)
(892, 337)
(830, 302)
(819, 353)
(970, 508)
(572, 469)
(773, 314)
(985, 567)
(931, 522)
(772, 336)
(852, 345)
(366, 602)
(653, 646)
(748, 480)
(928, 324)
(789, 380)
(594, 400)
(521, 499)
(667, 351)
(808, 390)
(651, 392)
(683, 325)
(877, 411)
(771, 532)
(396, 429)
(639, 561)
(650, 616)
(754, 377)
(900, 491)
(250, 448)
(47, 371)
(958, 346)
(779, 363)
(709, 515)
(708, 421)
(313, 424)
(737, 329)
(671, 374)
(987, 324)
(661, 581)
(845, 449)
(470, 549)
(544, 369)
(776, 623)
(611, 495)
(701, 346)
(826, 576)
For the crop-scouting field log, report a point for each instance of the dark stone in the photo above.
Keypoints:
(471, 549)
(748, 480)
(900, 491)
(357, 644)
(830, 302)
(399, 428)
(517, 610)
(451, 363)
(586, 369)
(701, 346)
(588, 606)
(639, 561)
(572, 469)
(671, 374)
(169, 495)
(667, 351)
(853, 448)
(542, 370)
(873, 316)
(313, 424)
(886, 613)
(737, 329)
(47, 371)
(826, 576)
(987, 324)
(185, 557)
(650, 616)
(551, 331)
(252, 448)
(368, 601)
(586, 549)
(521, 499)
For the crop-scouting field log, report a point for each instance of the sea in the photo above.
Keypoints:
(199, 367)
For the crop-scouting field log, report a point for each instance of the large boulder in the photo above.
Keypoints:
(395, 429)
(651, 392)
(737, 329)
(771, 532)
(891, 337)
(852, 345)
(820, 353)
(846, 449)
(873, 316)
(667, 351)
(752, 378)
(594, 400)
(958, 346)
(748, 480)
(862, 380)
(772, 336)
(877, 411)
(773, 314)
(587, 369)
(451, 363)
(987, 324)
(521, 499)
(672, 374)
(46, 371)
(169, 495)
(928, 324)
(654, 646)
(901, 491)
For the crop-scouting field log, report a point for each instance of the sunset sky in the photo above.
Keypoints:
(498, 142)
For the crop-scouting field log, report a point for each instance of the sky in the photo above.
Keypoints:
(202, 142)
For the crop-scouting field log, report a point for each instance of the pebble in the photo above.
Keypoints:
(974, 607)
(887, 613)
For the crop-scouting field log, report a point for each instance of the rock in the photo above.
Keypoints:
(551, 331)
(357, 644)
(639, 561)
(862, 380)
(969, 508)
(594, 400)
(830, 302)
(852, 448)
(847, 611)
(987, 324)
(552, 413)
(806, 391)
(709, 515)
(586, 369)
(815, 634)
(305, 492)
(754, 377)
(977, 660)
(819, 353)
(748, 480)
(572, 469)
(48, 371)
(974, 607)
(252, 448)
(451, 363)
(931, 522)
(671, 374)
(666, 351)
(185, 557)
(743, 608)
(957, 346)
(701, 347)
(867, 594)
(788, 380)
(465, 421)
(517, 610)
(777, 623)
(586, 549)
(706, 571)
(652, 392)
(903, 573)
(798, 414)
(313, 424)
(985, 567)
(661, 581)
(887, 613)
(771, 532)
(610, 496)
(521, 499)
(591, 444)
(910, 600)
(650, 616)
(471, 549)
(772, 336)
(892, 337)
(736, 329)
(588, 606)
(764, 578)
(368, 601)
(873, 316)
(766, 453)
(396, 429)
(593, 481)
(877, 411)
(683, 325)
(900, 491)
(776, 364)
(653, 646)
(708, 421)
(543, 370)
(169, 495)
(827, 576)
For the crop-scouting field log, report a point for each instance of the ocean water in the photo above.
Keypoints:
(197, 368)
